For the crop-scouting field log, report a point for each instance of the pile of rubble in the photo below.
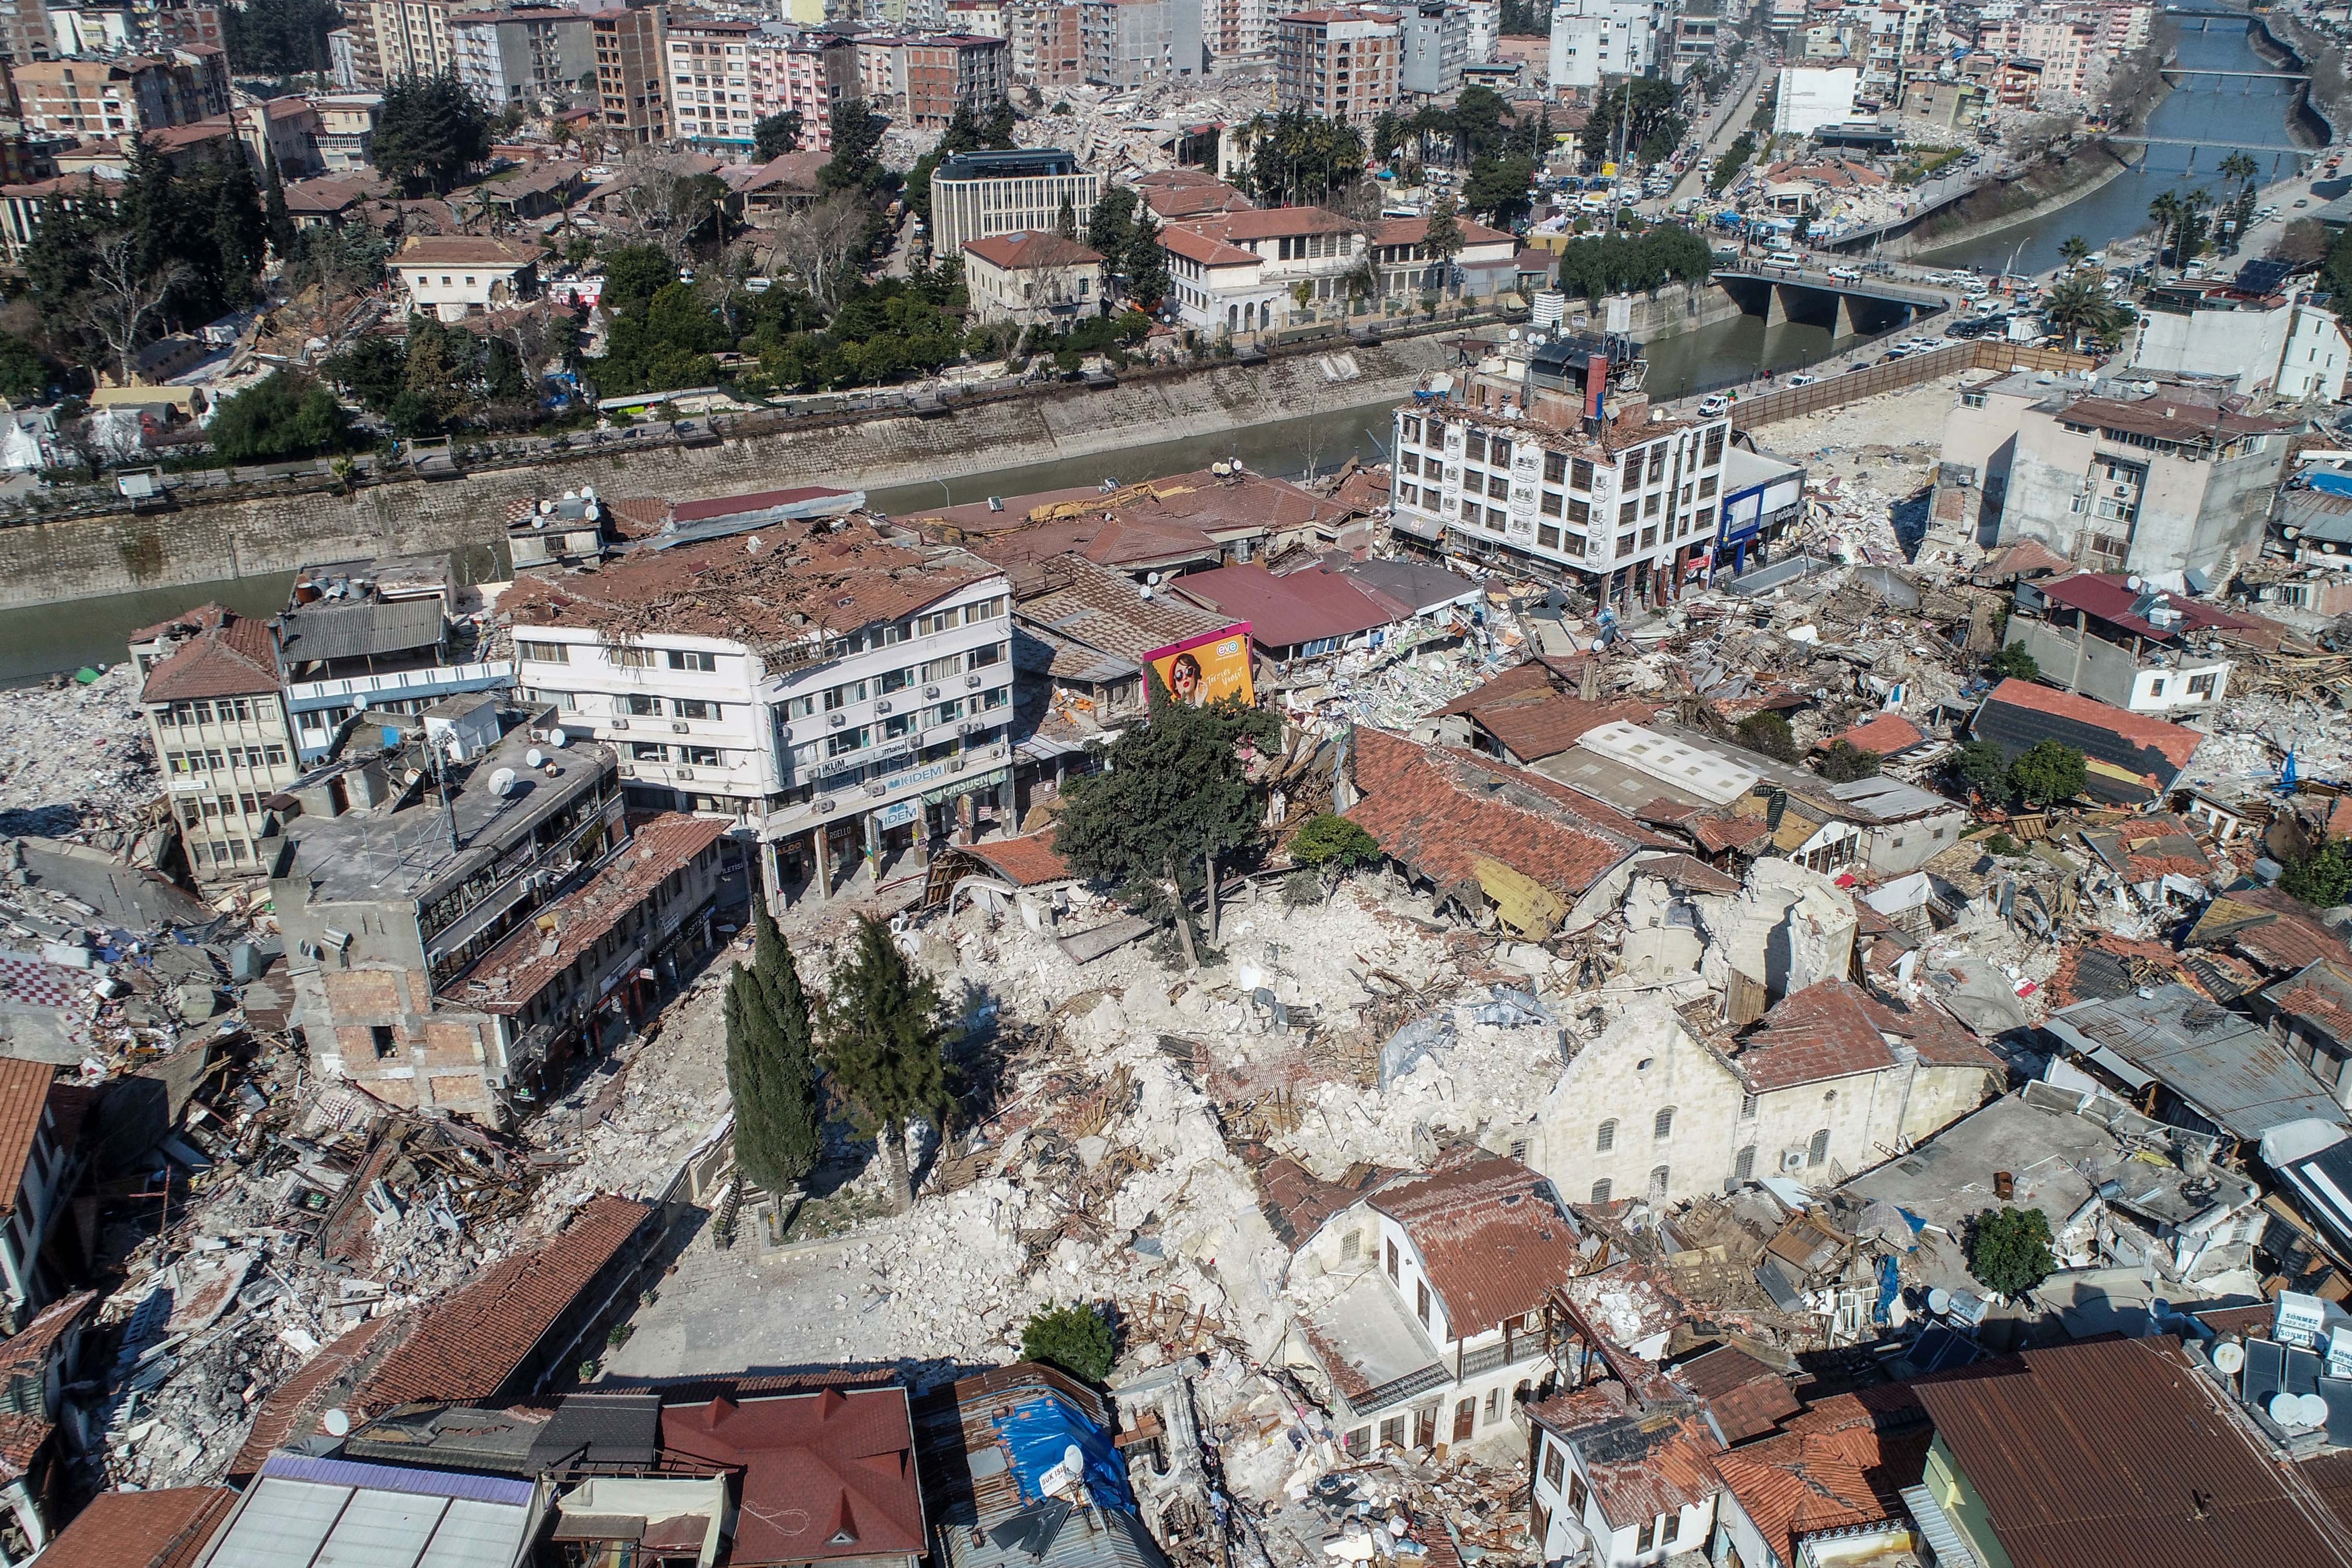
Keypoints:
(75, 757)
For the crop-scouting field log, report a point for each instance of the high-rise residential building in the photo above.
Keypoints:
(632, 93)
(1237, 32)
(25, 32)
(1339, 62)
(111, 98)
(1591, 39)
(976, 195)
(983, 17)
(412, 37)
(725, 76)
(1485, 29)
(217, 715)
(1126, 43)
(1046, 39)
(1433, 45)
(531, 55)
(921, 79)
(365, 60)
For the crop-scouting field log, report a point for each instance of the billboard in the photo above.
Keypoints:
(1205, 669)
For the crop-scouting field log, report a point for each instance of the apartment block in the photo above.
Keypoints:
(843, 694)
(1540, 466)
(346, 140)
(525, 55)
(1126, 43)
(725, 76)
(632, 72)
(217, 718)
(976, 195)
(1595, 38)
(26, 33)
(358, 57)
(1237, 32)
(1336, 63)
(922, 79)
(1434, 44)
(112, 98)
(1046, 41)
(412, 37)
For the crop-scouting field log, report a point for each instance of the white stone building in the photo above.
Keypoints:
(455, 276)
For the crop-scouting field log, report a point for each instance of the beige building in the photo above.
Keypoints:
(631, 72)
(456, 275)
(216, 717)
(1035, 279)
(412, 37)
(1337, 62)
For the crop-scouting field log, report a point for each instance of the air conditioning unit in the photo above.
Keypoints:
(823, 807)
(955, 764)
(968, 726)
(617, 724)
(877, 788)
(683, 774)
(881, 707)
(628, 770)
(931, 691)
(838, 719)
(1792, 1158)
(971, 680)
(679, 726)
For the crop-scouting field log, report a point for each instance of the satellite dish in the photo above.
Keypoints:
(2229, 1358)
(502, 781)
(1939, 1300)
(1515, 335)
(534, 757)
(2314, 1409)
(2132, 583)
(558, 739)
(2286, 1409)
(337, 1422)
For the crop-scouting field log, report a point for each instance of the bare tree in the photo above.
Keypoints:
(815, 243)
(122, 296)
(664, 198)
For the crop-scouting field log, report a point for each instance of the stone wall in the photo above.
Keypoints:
(203, 542)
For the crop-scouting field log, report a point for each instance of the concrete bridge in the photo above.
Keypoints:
(1857, 308)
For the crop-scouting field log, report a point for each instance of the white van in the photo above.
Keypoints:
(1787, 258)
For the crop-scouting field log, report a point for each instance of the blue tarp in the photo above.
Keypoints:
(1890, 1285)
(2332, 484)
(1039, 1430)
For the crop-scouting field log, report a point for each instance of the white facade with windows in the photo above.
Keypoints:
(1574, 1523)
(1595, 38)
(1641, 502)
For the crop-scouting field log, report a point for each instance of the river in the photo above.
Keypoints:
(2218, 115)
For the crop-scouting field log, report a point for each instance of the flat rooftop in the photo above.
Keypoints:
(1368, 1341)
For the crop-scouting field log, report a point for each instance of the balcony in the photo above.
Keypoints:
(400, 686)
(844, 800)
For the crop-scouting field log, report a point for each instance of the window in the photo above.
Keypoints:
(1466, 1420)
(844, 741)
(1606, 1139)
(1519, 1150)
(1659, 1179)
(1498, 486)
(1747, 1108)
(1421, 1300)
(700, 756)
(1555, 467)
(800, 707)
(1601, 1191)
(2201, 685)
(545, 652)
(1392, 1431)
(1474, 446)
(1494, 1404)
(1664, 1127)
(1579, 475)
(1351, 1245)
(385, 1045)
(693, 708)
(641, 706)
(1672, 1528)
(633, 657)
(1548, 536)
(1818, 1151)
(1555, 1464)
(987, 654)
(1745, 1166)
(1714, 446)
(648, 751)
(1576, 1493)
(1553, 502)
(1392, 1261)
(1649, 1536)
(1627, 515)
(681, 658)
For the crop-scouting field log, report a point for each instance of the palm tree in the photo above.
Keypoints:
(2167, 212)
(2074, 250)
(2080, 306)
(2240, 167)
(2192, 209)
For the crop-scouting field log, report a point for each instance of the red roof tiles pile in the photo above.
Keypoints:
(1025, 862)
(1745, 1397)
(1823, 1032)
(1438, 809)
(290, 1411)
(1492, 1245)
(1885, 735)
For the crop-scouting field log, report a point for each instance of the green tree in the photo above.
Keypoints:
(2074, 251)
(1169, 801)
(372, 372)
(430, 128)
(2049, 772)
(279, 37)
(278, 223)
(240, 229)
(1147, 264)
(1767, 731)
(1073, 1339)
(856, 134)
(1643, 108)
(634, 274)
(2079, 304)
(2009, 1250)
(2014, 663)
(1328, 839)
(2322, 878)
(24, 374)
(1110, 227)
(2167, 212)
(1726, 168)
(1981, 766)
(1844, 761)
(774, 135)
(881, 1035)
(1496, 189)
(1604, 264)
(770, 1066)
(1443, 242)
(284, 416)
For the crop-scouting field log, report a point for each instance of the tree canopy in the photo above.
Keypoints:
(2012, 662)
(279, 37)
(1074, 1339)
(1769, 733)
(1296, 158)
(881, 1034)
(970, 130)
(2321, 878)
(770, 1067)
(2047, 773)
(1644, 108)
(1621, 264)
(774, 135)
(1844, 761)
(2009, 1250)
(283, 417)
(857, 137)
(431, 129)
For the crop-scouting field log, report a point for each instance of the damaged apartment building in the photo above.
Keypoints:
(1548, 460)
(841, 693)
(464, 904)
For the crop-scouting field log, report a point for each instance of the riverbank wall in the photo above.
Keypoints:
(1676, 309)
(2290, 46)
(2031, 198)
(93, 556)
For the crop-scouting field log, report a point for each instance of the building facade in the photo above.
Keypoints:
(1337, 62)
(456, 275)
(217, 718)
(976, 195)
(1433, 45)
(533, 56)
(1127, 43)
(632, 73)
(923, 79)
(1033, 279)
(1595, 38)
(1047, 41)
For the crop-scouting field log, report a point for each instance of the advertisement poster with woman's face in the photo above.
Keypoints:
(1205, 669)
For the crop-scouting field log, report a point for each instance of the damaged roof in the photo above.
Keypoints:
(1745, 1397)
(1525, 709)
(2224, 1066)
(165, 1528)
(1823, 1032)
(1296, 1201)
(230, 656)
(822, 1476)
(1298, 608)
(2277, 931)
(1493, 1236)
(2132, 757)
(1643, 1458)
(1796, 1484)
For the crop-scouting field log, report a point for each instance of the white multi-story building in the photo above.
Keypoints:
(1532, 465)
(1236, 272)
(526, 56)
(216, 716)
(1595, 38)
(846, 704)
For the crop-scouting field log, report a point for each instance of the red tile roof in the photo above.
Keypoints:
(2277, 931)
(1298, 608)
(1826, 1031)
(1270, 223)
(2320, 994)
(524, 963)
(464, 250)
(1296, 1201)
(1032, 247)
(1439, 809)
(1531, 716)
(1413, 230)
(1745, 1397)
(2175, 742)
(290, 1411)
(2113, 1454)
(812, 1468)
(1204, 248)
(1026, 861)
(22, 1438)
(1718, 831)
(1491, 1242)
(466, 1345)
(160, 1529)
(1885, 735)
(28, 1347)
(233, 656)
(2110, 598)
(2167, 420)
(1642, 1461)
(1851, 1473)
(24, 1107)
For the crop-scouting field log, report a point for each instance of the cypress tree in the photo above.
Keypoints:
(779, 1126)
(882, 1038)
(280, 224)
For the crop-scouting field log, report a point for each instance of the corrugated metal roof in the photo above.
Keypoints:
(328, 630)
(2225, 1065)
(2111, 1454)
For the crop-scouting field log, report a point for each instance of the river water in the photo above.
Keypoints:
(2219, 116)
(35, 642)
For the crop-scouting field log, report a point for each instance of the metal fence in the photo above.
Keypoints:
(1949, 359)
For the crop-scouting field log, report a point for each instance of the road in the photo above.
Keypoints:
(1731, 116)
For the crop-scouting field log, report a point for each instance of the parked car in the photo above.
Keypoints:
(1786, 259)
(1713, 404)
(1801, 379)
